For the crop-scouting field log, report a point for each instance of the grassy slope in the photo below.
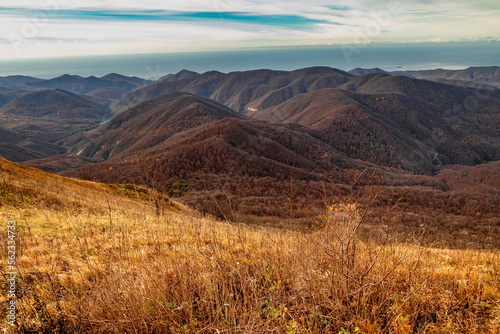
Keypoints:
(26, 187)
(95, 258)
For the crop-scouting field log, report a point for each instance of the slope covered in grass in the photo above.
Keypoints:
(95, 258)
(24, 188)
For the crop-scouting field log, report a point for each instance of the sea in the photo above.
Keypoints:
(388, 57)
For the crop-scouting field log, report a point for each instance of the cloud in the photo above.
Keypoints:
(282, 21)
(339, 8)
(126, 26)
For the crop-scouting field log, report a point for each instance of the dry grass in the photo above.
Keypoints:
(108, 264)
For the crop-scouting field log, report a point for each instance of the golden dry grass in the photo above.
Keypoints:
(98, 260)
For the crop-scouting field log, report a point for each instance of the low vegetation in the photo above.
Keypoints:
(95, 258)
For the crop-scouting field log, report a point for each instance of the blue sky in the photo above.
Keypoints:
(50, 28)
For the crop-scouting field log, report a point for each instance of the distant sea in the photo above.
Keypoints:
(389, 57)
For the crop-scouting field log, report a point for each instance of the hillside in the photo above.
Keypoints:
(99, 258)
(51, 115)
(4, 99)
(18, 153)
(53, 103)
(231, 146)
(183, 138)
(9, 93)
(17, 147)
(486, 77)
(185, 135)
(24, 188)
(470, 84)
(106, 95)
(363, 71)
(57, 163)
(147, 125)
(290, 232)
(251, 91)
(250, 170)
(16, 80)
(10, 137)
(9, 148)
(477, 75)
(407, 129)
(123, 82)
(184, 74)
(45, 187)
(81, 85)
(237, 89)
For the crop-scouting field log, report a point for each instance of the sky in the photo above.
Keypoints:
(64, 28)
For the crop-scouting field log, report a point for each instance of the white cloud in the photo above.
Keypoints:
(422, 20)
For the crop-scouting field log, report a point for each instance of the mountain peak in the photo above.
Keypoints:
(363, 71)
(183, 74)
(56, 103)
(112, 76)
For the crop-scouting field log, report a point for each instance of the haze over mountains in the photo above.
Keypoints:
(481, 75)
(259, 128)
(476, 75)
(13, 86)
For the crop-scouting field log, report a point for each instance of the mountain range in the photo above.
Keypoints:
(475, 77)
(478, 75)
(254, 133)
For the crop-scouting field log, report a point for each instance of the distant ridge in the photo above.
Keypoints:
(57, 102)
(51, 115)
(81, 85)
(363, 71)
(478, 75)
(184, 74)
(238, 89)
(122, 79)
(16, 80)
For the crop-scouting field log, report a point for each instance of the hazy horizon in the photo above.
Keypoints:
(152, 38)
(388, 57)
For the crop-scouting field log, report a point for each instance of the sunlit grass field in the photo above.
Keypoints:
(94, 258)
